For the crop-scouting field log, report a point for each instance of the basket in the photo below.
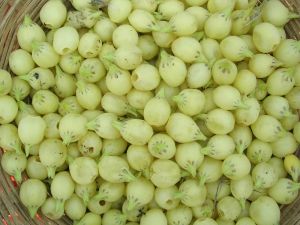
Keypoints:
(11, 209)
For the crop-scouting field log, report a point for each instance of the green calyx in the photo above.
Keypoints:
(192, 169)
(118, 125)
(240, 147)
(164, 55)
(32, 211)
(200, 136)
(202, 179)
(178, 99)
(91, 125)
(99, 197)
(161, 28)
(258, 184)
(81, 85)
(227, 11)
(276, 63)
(161, 94)
(206, 150)
(131, 204)
(59, 71)
(36, 45)
(27, 20)
(294, 186)
(67, 139)
(198, 35)
(127, 175)
(159, 147)
(26, 77)
(178, 195)
(131, 110)
(242, 105)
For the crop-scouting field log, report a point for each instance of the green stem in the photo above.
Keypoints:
(282, 133)
(295, 175)
(90, 125)
(32, 211)
(18, 176)
(96, 15)
(59, 205)
(228, 10)
(67, 139)
(161, 93)
(35, 45)
(202, 180)
(242, 203)
(276, 63)
(198, 35)
(77, 222)
(25, 77)
(184, 173)
(27, 149)
(210, 83)
(288, 114)
(84, 72)
(201, 58)
(18, 148)
(51, 172)
(177, 99)
(86, 198)
(242, 105)
(164, 55)
(240, 148)
(258, 184)
(99, 197)
(58, 70)
(81, 85)
(131, 205)
(293, 15)
(200, 136)
(192, 169)
(146, 173)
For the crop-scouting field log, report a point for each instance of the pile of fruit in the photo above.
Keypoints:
(154, 112)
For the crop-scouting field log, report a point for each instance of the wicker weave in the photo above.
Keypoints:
(11, 15)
